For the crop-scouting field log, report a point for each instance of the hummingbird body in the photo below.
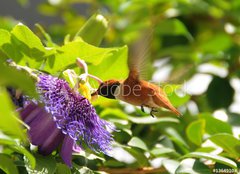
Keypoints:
(136, 92)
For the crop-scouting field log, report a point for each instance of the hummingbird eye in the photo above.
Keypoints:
(108, 90)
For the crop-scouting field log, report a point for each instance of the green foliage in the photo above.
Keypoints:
(15, 147)
(7, 165)
(228, 142)
(182, 35)
(18, 79)
(62, 169)
(8, 117)
(192, 166)
(216, 158)
(214, 126)
(43, 165)
(195, 131)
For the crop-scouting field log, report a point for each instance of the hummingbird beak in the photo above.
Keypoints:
(95, 93)
(94, 96)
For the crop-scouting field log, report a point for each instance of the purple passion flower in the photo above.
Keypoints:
(67, 118)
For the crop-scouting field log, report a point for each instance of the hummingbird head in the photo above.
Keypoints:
(107, 89)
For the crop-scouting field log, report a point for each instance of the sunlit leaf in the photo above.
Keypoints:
(213, 157)
(150, 120)
(106, 62)
(192, 166)
(170, 165)
(195, 131)
(214, 125)
(85, 170)
(228, 142)
(112, 112)
(137, 142)
(48, 38)
(8, 117)
(113, 66)
(5, 38)
(138, 155)
(25, 48)
(9, 76)
(177, 100)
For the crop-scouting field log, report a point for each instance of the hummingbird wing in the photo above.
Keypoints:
(139, 52)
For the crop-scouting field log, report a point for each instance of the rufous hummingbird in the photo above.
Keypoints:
(134, 90)
(137, 92)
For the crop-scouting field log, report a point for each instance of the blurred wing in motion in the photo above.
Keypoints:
(139, 52)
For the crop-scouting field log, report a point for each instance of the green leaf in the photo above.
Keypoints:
(192, 166)
(85, 170)
(214, 125)
(228, 142)
(113, 66)
(213, 157)
(164, 151)
(174, 135)
(25, 48)
(170, 165)
(137, 142)
(26, 36)
(94, 30)
(48, 38)
(177, 100)
(138, 155)
(113, 113)
(89, 156)
(205, 149)
(220, 93)
(62, 169)
(7, 165)
(195, 131)
(5, 38)
(44, 164)
(216, 43)
(150, 120)
(174, 27)
(17, 148)
(17, 79)
(8, 118)
(104, 62)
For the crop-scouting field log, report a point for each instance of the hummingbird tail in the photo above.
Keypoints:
(175, 111)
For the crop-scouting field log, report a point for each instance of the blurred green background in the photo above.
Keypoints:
(191, 43)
